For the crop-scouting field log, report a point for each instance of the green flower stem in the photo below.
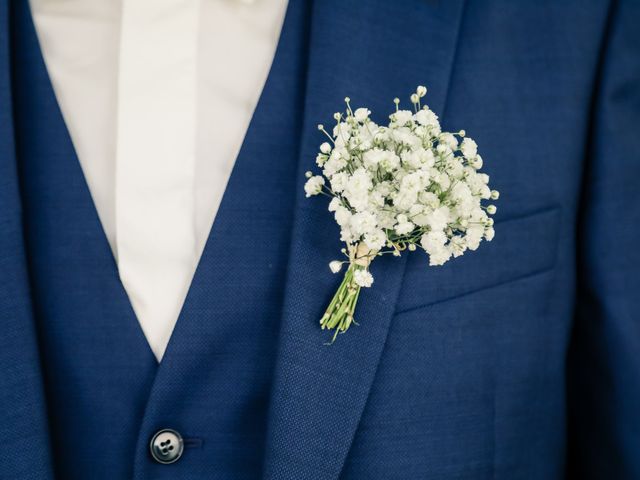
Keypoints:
(339, 314)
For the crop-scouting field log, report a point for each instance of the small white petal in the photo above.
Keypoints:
(314, 185)
(363, 278)
(335, 266)
(361, 114)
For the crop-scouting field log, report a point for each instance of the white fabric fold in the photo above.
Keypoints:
(157, 96)
(156, 159)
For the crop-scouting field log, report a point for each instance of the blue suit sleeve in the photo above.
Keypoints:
(604, 359)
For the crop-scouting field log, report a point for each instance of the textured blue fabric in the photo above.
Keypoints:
(517, 361)
(23, 420)
(106, 394)
(97, 365)
(605, 363)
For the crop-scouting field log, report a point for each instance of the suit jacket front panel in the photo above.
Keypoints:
(456, 371)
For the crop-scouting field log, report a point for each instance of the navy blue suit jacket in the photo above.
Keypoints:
(520, 360)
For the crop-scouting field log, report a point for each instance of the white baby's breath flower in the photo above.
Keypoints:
(334, 204)
(342, 132)
(411, 159)
(325, 148)
(449, 139)
(314, 185)
(405, 199)
(439, 257)
(419, 214)
(469, 148)
(443, 180)
(457, 245)
(433, 241)
(389, 162)
(385, 219)
(343, 216)
(375, 239)
(489, 233)
(473, 236)
(361, 114)
(376, 201)
(402, 117)
(439, 218)
(335, 266)
(333, 165)
(372, 158)
(339, 182)
(404, 226)
(357, 189)
(321, 159)
(454, 168)
(363, 223)
(346, 236)
(363, 278)
(429, 199)
(427, 158)
(405, 137)
(427, 118)
(461, 194)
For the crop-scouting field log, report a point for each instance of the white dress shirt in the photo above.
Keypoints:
(157, 96)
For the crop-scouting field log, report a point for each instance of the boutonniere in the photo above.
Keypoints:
(404, 186)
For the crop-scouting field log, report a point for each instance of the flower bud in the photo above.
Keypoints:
(414, 98)
(491, 209)
(308, 174)
(489, 233)
(325, 148)
(421, 91)
(335, 266)
(495, 194)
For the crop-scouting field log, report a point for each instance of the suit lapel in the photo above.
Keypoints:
(370, 51)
